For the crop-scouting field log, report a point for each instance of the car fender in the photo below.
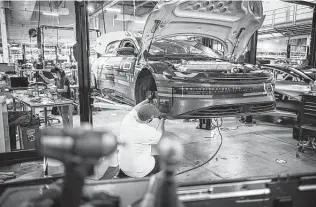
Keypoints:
(153, 68)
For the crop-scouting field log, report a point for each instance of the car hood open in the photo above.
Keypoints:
(230, 22)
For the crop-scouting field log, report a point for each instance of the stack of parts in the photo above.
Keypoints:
(6, 176)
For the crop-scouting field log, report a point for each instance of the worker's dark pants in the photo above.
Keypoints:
(64, 112)
(155, 170)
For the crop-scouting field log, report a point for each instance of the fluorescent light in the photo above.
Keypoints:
(113, 10)
(140, 22)
(90, 8)
(50, 14)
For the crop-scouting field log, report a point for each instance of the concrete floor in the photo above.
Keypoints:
(247, 151)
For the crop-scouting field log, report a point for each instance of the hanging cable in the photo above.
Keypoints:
(123, 16)
(39, 38)
(39, 14)
(57, 38)
(134, 8)
(216, 125)
(103, 18)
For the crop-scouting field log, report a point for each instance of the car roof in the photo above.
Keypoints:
(107, 38)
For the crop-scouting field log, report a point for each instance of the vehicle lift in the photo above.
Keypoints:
(250, 57)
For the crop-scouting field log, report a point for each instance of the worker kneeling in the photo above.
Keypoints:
(134, 157)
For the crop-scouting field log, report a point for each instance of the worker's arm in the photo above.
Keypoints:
(65, 88)
(151, 135)
(62, 90)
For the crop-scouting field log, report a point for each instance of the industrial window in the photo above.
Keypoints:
(129, 43)
(112, 47)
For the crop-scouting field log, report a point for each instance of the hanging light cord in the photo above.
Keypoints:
(103, 18)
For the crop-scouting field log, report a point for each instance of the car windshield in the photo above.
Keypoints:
(177, 47)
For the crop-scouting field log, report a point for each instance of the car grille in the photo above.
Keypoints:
(229, 110)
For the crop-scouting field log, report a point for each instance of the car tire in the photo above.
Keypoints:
(146, 87)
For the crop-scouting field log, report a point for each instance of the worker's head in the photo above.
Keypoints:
(59, 72)
(147, 112)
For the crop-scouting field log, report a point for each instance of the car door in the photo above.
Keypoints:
(102, 68)
(290, 84)
(124, 70)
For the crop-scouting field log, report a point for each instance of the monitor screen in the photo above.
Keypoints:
(19, 82)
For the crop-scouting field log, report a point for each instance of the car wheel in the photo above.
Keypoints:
(146, 88)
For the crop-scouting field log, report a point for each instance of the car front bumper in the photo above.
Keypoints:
(227, 104)
(211, 108)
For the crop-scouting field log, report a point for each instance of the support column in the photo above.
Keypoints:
(4, 36)
(56, 53)
(288, 49)
(82, 37)
(251, 57)
(312, 59)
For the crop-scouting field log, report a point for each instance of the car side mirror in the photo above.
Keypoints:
(126, 51)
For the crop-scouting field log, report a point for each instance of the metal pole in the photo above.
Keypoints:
(82, 36)
(288, 49)
(251, 57)
(4, 37)
(252, 54)
(312, 59)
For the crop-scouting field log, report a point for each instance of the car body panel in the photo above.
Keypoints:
(290, 84)
(190, 88)
(292, 89)
(230, 22)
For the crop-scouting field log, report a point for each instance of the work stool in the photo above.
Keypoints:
(307, 124)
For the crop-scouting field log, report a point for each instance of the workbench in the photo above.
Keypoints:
(45, 103)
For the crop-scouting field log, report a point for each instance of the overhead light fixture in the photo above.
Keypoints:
(113, 10)
(140, 22)
(50, 14)
(90, 8)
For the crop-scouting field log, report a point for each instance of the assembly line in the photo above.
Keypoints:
(158, 103)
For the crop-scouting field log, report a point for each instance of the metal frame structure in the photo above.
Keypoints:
(312, 59)
(82, 36)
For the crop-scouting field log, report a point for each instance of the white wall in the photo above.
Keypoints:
(274, 45)
(18, 33)
(137, 27)
(110, 25)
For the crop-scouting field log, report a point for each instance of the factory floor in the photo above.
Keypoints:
(248, 150)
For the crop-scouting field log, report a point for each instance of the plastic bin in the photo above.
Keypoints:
(29, 135)
(28, 129)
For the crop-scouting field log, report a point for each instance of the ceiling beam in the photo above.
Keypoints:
(99, 10)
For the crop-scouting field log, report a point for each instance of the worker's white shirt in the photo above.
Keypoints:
(134, 157)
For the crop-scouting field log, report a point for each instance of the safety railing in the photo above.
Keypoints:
(290, 14)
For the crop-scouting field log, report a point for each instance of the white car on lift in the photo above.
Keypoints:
(191, 80)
